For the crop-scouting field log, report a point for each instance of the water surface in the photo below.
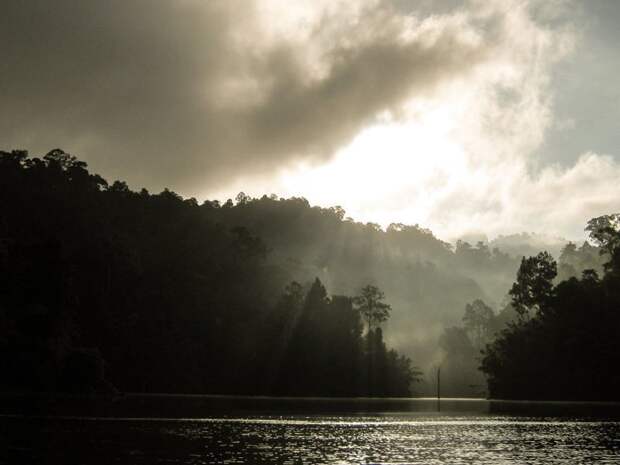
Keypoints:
(301, 439)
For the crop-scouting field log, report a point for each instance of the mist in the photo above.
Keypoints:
(292, 231)
(249, 287)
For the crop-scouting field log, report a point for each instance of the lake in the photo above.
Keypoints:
(465, 435)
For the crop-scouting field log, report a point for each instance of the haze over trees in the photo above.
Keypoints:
(102, 286)
(499, 342)
(462, 348)
(564, 344)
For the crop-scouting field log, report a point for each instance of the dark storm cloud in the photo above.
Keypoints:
(145, 90)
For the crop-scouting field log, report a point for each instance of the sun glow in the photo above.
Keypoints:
(398, 170)
(393, 171)
(457, 153)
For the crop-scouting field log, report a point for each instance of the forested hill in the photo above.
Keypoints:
(161, 295)
(182, 296)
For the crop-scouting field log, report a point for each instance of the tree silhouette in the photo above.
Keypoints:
(534, 286)
(371, 307)
(568, 348)
(605, 232)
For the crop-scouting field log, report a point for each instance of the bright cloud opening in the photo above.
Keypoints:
(460, 157)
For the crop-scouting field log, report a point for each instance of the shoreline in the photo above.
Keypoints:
(195, 406)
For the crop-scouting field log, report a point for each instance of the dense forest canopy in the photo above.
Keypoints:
(166, 294)
(565, 342)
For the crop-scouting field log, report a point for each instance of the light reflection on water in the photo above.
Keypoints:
(429, 439)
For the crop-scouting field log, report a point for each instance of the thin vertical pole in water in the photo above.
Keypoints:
(439, 389)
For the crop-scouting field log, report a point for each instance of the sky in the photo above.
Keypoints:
(463, 116)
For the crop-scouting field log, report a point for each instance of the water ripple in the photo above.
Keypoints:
(311, 440)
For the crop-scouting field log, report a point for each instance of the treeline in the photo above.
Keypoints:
(427, 280)
(102, 286)
(565, 341)
(462, 346)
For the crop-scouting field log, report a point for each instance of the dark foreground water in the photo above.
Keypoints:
(414, 438)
